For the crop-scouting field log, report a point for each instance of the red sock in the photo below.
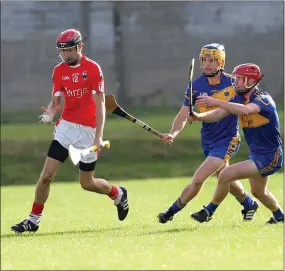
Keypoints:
(37, 209)
(114, 192)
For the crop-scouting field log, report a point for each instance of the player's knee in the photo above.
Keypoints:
(223, 167)
(85, 186)
(219, 171)
(224, 176)
(86, 182)
(86, 176)
(217, 174)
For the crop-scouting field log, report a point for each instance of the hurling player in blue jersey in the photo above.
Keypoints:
(259, 120)
(220, 140)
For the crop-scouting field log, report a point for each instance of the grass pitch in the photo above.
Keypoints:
(80, 230)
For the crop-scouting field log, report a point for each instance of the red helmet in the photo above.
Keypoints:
(247, 71)
(68, 38)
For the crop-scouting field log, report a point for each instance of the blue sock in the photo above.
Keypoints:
(278, 214)
(212, 207)
(247, 202)
(177, 206)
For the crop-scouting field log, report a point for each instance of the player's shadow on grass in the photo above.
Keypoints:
(176, 230)
(29, 234)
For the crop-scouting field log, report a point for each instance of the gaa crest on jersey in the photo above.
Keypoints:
(226, 93)
(84, 75)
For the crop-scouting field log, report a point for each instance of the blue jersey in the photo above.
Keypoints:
(262, 130)
(224, 128)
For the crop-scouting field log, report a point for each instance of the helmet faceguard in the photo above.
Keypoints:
(216, 51)
(245, 77)
(66, 42)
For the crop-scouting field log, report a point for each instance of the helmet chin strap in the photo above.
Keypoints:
(212, 74)
(244, 92)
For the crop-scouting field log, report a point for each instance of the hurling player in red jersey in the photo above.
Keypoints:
(80, 81)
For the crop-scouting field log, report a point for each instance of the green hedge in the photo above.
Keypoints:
(134, 152)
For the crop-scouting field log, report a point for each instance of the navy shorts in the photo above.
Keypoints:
(268, 163)
(224, 149)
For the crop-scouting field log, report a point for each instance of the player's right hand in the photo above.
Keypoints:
(194, 116)
(45, 117)
(167, 138)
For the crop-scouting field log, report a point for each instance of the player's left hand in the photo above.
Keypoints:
(206, 101)
(98, 142)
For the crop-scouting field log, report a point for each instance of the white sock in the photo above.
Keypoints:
(119, 197)
(35, 219)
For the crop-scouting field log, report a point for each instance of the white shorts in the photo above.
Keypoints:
(77, 135)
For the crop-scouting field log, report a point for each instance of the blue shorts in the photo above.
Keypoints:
(268, 163)
(224, 149)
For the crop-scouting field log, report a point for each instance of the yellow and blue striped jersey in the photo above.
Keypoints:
(224, 128)
(262, 130)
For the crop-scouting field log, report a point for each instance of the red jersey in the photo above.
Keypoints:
(78, 84)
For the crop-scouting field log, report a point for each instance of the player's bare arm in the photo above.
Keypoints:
(178, 124)
(233, 108)
(100, 117)
(179, 121)
(52, 109)
(210, 116)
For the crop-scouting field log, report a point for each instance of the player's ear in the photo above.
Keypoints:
(80, 47)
